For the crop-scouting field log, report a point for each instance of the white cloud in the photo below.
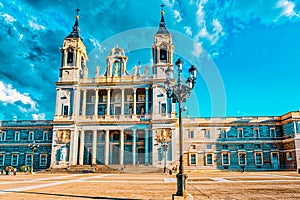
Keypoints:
(188, 30)
(197, 49)
(287, 8)
(9, 95)
(95, 42)
(40, 116)
(177, 16)
(200, 13)
(9, 19)
(214, 36)
(36, 26)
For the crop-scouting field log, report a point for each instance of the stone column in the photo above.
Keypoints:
(54, 150)
(65, 58)
(108, 102)
(122, 101)
(94, 147)
(106, 156)
(71, 149)
(81, 147)
(96, 103)
(84, 102)
(76, 101)
(146, 146)
(147, 102)
(133, 146)
(58, 104)
(134, 101)
(121, 147)
(155, 149)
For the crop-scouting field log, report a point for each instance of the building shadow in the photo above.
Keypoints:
(71, 195)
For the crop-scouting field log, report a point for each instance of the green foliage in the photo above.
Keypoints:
(24, 167)
(9, 167)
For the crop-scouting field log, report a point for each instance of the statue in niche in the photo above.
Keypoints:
(62, 153)
(97, 71)
(146, 70)
(116, 69)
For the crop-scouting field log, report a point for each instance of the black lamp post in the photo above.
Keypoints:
(179, 92)
(34, 147)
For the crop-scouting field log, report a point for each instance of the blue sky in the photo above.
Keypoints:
(252, 46)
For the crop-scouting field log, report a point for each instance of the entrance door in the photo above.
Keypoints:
(141, 155)
(87, 156)
(275, 161)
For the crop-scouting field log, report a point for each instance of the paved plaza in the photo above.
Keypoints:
(202, 185)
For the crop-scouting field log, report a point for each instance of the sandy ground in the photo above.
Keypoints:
(202, 185)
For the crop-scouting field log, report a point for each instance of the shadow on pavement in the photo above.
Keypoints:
(71, 195)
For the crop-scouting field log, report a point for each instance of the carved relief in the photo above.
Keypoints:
(63, 136)
(163, 135)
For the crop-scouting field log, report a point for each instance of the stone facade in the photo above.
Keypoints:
(125, 118)
(15, 136)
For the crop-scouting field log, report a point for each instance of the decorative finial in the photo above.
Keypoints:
(139, 62)
(162, 9)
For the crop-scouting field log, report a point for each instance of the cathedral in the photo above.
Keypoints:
(123, 117)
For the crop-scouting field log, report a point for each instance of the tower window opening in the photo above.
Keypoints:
(163, 55)
(70, 57)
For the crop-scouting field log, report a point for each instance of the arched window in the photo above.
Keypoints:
(70, 56)
(163, 54)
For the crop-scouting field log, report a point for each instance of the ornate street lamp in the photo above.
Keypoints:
(163, 136)
(34, 147)
(179, 92)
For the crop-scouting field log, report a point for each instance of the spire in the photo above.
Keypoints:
(75, 29)
(162, 25)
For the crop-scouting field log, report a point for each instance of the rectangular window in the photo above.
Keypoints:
(208, 159)
(256, 133)
(193, 159)
(163, 108)
(225, 159)
(258, 158)
(272, 133)
(240, 133)
(70, 57)
(208, 146)
(241, 146)
(223, 133)
(2, 156)
(14, 159)
(43, 160)
(224, 146)
(45, 135)
(242, 159)
(31, 135)
(191, 134)
(17, 135)
(2, 136)
(28, 159)
(65, 110)
(207, 134)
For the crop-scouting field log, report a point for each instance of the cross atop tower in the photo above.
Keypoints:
(77, 11)
(162, 6)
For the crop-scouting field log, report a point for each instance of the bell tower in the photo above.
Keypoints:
(162, 49)
(74, 55)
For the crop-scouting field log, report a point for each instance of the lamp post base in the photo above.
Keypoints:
(185, 197)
